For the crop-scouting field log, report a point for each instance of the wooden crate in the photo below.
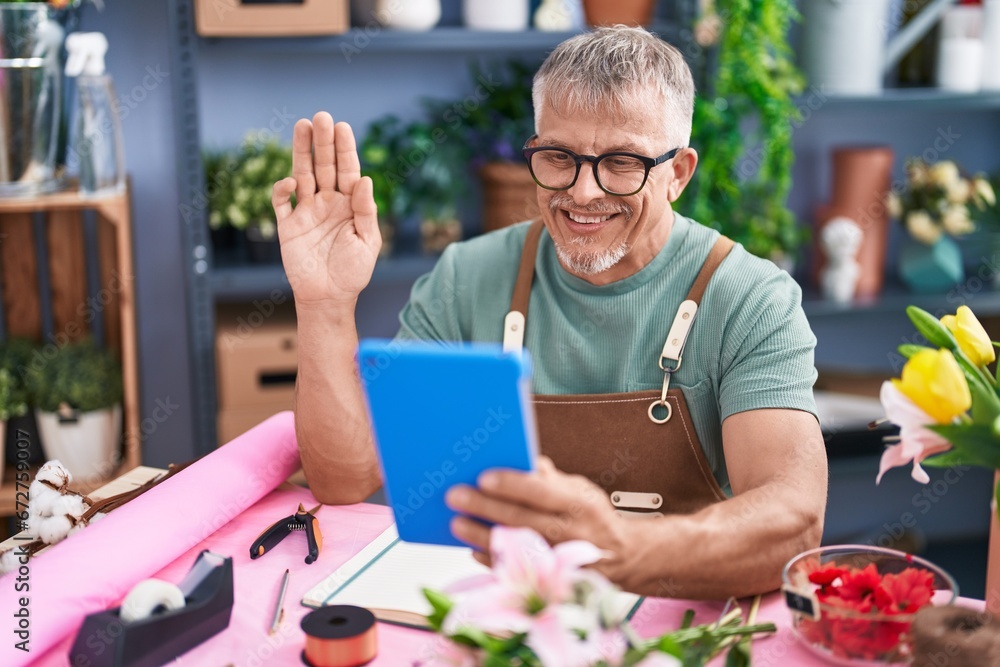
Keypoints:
(68, 306)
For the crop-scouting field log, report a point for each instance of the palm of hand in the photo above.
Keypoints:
(330, 240)
(323, 254)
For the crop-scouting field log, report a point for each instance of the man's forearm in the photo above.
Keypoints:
(733, 548)
(331, 422)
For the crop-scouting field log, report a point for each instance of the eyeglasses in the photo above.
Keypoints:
(618, 173)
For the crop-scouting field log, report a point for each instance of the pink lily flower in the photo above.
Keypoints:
(915, 441)
(527, 577)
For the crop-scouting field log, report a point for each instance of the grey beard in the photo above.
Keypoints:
(575, 257)
(574, 254)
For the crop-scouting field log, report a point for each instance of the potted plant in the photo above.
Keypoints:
(16, 355)
(742, 127)
(417, 173)
(937, 205)
(239, 184)
(493, 133)
(77, 391)
(380, 152)
(12, 404)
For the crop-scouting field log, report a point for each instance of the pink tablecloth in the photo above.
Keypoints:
(345, 531)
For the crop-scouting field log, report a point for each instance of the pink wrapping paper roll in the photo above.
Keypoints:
(95, 568)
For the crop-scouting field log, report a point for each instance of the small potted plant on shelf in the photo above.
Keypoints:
(417, 173)
(239, 184)
(77, 391)
(936, 205)
(380, 152)
(16, 355)
(12, 404)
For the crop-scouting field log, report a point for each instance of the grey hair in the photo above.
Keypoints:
(615, 69)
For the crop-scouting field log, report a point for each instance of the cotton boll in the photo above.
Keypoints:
(54, 529)
(71, 504)
(42, 500)
(54, 472)
(9, 561)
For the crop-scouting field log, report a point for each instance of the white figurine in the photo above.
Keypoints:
(840, 240)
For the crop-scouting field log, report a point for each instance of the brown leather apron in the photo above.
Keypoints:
(641, 446)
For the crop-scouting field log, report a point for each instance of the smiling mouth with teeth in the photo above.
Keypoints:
(588, 220)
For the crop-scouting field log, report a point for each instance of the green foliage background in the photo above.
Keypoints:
(745, 111)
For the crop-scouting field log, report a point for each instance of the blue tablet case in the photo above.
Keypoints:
(441, 415)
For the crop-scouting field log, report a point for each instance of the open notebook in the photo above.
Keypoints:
(387, 577)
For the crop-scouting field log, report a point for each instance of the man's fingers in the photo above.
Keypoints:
(281, 197)
(549, 491)
(348, 165)
(473, 533)
(366, 213)
(324, 157)
(302, 160)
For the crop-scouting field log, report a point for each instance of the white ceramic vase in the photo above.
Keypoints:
(492, 15)
(991, 45)
(414, 15)
(87, 447)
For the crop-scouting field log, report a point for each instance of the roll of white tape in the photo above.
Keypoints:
(146, 596)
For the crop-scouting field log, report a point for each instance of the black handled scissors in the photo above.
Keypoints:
(279, 530)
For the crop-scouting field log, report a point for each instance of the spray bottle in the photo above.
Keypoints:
(96, 149)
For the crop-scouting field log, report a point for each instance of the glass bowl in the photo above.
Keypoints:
(853, 604)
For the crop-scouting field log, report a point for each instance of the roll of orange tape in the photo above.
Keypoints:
(339, 636)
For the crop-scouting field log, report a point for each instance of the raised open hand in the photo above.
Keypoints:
(330, 240)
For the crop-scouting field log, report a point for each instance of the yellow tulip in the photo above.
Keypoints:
(933, 380)
(971, 336)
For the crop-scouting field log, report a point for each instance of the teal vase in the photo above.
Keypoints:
(931, 268)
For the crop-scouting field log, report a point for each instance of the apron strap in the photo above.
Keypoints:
(514, 322)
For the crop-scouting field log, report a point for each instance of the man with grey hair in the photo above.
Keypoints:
(698, 479)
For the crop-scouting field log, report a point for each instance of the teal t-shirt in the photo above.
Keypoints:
(750, 346)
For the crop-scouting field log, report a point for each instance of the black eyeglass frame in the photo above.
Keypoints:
(648, 162)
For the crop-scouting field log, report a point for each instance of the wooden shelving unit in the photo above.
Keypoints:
(44, 260)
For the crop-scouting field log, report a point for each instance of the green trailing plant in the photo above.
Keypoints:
(238, 184)
(743, 121)
(80, 376)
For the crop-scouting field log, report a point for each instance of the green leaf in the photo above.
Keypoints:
(978, 444)
(985, 404)
(739, 655)
(949, 459)
(688, 618)
(440, 606)
(908, 349)
(931, 328)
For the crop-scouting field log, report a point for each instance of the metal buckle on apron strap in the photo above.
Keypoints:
(672, 350)
(635, 502)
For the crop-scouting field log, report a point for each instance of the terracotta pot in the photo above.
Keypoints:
(509, 194)
(861, 180)
(613, 12)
